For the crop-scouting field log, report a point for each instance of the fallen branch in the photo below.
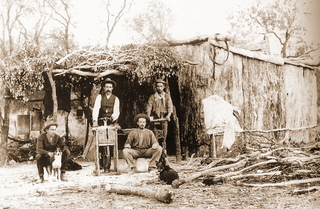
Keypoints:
(280, 184)
(303, 191)
(256, 175)
(19, 140)
(176, 183)
(243, 170)
(227, 160)
(83, 73)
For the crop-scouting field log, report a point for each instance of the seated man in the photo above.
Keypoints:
(46, 144)
(141, 142)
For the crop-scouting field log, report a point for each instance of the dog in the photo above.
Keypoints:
(167, 174)
(56, 165)
(53, 167)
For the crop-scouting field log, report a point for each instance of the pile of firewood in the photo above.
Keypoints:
(274, 166)
(20, 149)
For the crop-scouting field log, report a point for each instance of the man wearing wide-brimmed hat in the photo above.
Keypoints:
(160, 106)
(107, 106)
(141, 143)
(47, 143)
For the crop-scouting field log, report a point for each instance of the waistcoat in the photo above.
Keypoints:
(106, 106)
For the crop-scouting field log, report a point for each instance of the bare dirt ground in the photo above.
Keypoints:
(19, 189)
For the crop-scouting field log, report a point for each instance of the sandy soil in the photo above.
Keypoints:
(20, 189)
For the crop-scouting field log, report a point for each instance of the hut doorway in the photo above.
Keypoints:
(175, 95)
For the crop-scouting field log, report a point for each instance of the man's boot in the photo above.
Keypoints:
(41, 178)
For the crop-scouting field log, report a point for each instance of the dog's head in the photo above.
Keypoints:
(58, 152)
(161, 163)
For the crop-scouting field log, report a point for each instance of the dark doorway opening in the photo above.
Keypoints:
(175, 96)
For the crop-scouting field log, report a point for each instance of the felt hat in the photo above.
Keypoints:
(48, 125)
(108, 80)
(160, 81)
(141, 115)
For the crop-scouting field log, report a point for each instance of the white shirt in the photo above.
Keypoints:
(97, 105)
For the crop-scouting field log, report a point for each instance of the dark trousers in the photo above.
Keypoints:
(45, 160)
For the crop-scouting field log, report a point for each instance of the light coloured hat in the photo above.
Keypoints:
(108, 80)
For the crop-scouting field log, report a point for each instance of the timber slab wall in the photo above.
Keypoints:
(278, 101)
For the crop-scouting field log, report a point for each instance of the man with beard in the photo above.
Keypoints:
(106, 111)
(160, 106)
(141, 142)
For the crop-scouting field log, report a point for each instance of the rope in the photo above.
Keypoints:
(213, 59)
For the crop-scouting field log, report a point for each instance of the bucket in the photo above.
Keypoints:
(142, 165)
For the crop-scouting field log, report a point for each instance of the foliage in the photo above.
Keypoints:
(22, 71)
(284, 19)
(138, 62)
(154, 23)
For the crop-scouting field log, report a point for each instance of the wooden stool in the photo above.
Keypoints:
(105, 136)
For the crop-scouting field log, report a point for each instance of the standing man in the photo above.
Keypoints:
(160, 107)
(106, 109)
(47, 143)
(107, 105)
(141, 142)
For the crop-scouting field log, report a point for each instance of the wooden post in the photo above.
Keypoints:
(97, 164)
(212, 148)
(177, 135)
(115, 153)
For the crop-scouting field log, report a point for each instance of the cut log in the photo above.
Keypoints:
(281, 184)
(176, 183)
(162, 196)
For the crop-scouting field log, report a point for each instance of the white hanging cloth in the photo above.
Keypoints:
(218, 117)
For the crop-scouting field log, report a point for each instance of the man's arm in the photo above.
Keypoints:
(62, 144)
(149, 105)
(129, 140)
(40, 149)
(116, 110)
(96, 108)
(154, 141)
(170, 106)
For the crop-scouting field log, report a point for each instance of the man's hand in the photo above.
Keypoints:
(66, 149)
(50, 154)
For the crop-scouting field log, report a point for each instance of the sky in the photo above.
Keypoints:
(190, 18)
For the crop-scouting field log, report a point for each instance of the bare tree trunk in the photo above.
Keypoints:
(54, 96)
(5, 131)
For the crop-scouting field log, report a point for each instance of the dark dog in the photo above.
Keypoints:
(167, 174)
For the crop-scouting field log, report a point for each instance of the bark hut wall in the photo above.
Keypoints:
(270, 96)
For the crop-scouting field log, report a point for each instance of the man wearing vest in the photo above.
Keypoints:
(107, 105)
(106, 111)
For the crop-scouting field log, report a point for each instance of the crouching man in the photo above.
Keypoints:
(141, 142)
(47, 143)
